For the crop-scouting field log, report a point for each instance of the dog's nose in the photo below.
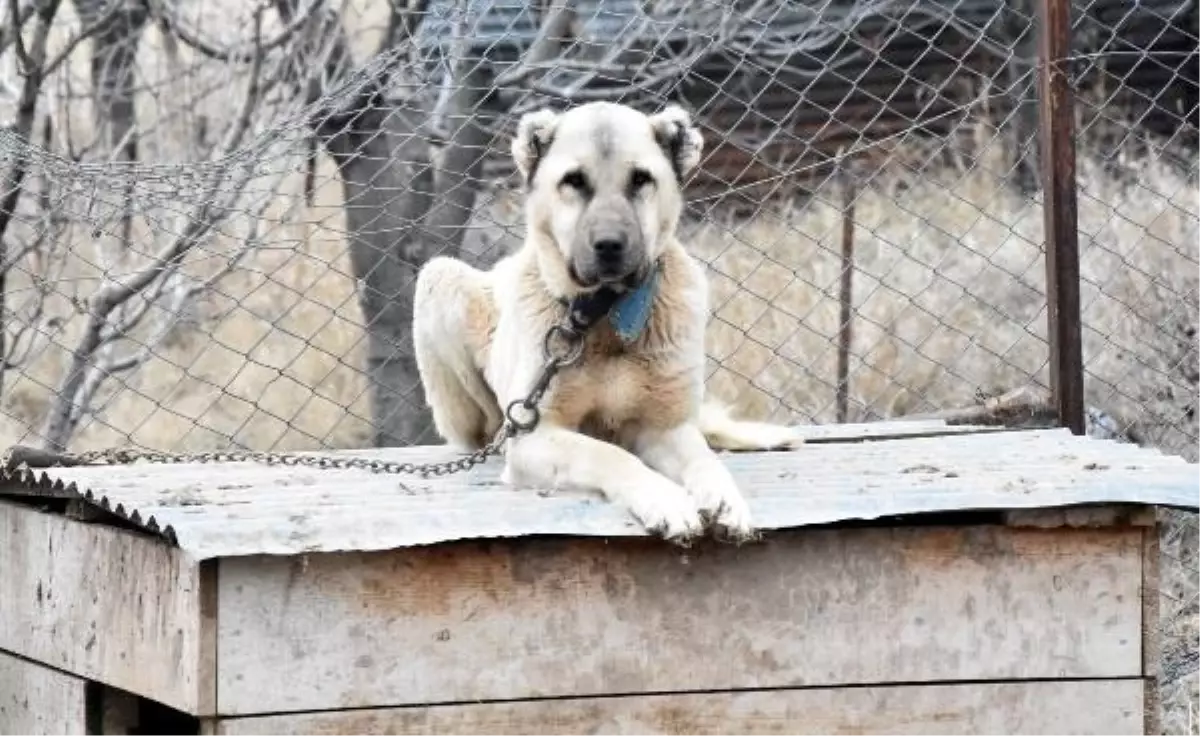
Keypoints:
(609, 251)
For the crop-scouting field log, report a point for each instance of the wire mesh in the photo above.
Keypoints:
(213, 212)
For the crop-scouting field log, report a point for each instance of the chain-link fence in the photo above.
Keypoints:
(212, 212)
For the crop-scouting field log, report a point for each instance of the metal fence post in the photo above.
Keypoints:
(1056, 135)
(846, 294)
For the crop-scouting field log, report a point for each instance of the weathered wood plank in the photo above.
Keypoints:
(104, 604)
(1075, 707)
(36, 699)
(1089, 516)
(206, 670)
(539, 618)
(888, 430)
(1151, 628)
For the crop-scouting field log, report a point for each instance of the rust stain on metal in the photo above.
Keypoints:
(1057, 138)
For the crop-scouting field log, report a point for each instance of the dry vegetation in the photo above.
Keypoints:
(948, 294)
(948, 297)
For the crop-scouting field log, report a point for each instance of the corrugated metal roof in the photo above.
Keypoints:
(233, 509)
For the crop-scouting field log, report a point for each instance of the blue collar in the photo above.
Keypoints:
(628, 311)
(630, 315)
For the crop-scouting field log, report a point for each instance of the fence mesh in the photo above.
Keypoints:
(211, 211)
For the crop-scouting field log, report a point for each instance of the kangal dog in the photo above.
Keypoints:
(629, 419)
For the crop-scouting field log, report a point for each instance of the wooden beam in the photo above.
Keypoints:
(1151, 629)
(1057, 158)
(37, 699)
(104, 604)
(1093, 707)
(538, 618)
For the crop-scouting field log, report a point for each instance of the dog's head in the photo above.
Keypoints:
(604, 185)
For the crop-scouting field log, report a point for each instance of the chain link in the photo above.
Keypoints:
(563, 347)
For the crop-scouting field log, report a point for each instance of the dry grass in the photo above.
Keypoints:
(948, 300)
(949, 294)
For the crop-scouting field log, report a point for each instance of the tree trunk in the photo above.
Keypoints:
(399, 214)
(387, 188)
(114, 53)
(12, 184)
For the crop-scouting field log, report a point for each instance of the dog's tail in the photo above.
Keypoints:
(725, 432)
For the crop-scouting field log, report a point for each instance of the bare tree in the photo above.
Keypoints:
(407, 202)
(401, 211)
(115, 39)
(32, 67)
(123, 301)
(404, 204)
(409, 145)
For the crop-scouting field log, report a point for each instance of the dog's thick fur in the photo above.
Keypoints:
(629, 421)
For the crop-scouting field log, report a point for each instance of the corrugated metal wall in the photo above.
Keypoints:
(921, 67)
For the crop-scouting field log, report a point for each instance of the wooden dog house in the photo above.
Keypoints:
(913, 577)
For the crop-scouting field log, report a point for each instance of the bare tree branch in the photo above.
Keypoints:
(17, 18)
(63, 416)
(182, 291)
(98, 25)
(1024, 406)
(17, 39)
(25, 337)
(114, 29)
(554, 32)
(32, 60)
(403, 22)
(163, 11)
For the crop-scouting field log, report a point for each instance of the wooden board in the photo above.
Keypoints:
(36, 699)
(572, 618)
(1151, 629)
(104, 604)
(1075, 707)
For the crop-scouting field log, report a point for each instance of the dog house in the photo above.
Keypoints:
(912, 577)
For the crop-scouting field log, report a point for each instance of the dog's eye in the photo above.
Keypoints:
(575, 180)
(639, 178)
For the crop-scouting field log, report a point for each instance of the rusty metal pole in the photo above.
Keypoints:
(846, 297)
(1056, 135)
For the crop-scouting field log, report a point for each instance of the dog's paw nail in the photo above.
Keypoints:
(734, 523)
(738, 535)
(681, 540)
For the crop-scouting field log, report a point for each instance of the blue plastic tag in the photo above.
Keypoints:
(631, 313)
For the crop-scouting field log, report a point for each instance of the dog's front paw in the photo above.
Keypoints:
(722, 504)
(733, 520)
(666, 508)
(780, 437)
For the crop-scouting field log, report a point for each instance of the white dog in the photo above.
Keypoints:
(603, 201)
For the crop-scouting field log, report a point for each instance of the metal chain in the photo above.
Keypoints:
(562, 346)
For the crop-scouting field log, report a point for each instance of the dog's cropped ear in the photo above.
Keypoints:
(681, 140)
(535, 132)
